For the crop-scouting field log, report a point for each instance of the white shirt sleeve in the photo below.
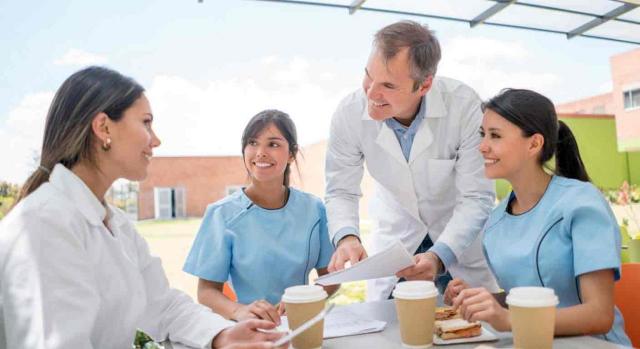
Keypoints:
(344, 169)
(20, 300)
(171, 314)
(476, 191)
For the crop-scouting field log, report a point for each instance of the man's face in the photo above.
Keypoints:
(389, 87)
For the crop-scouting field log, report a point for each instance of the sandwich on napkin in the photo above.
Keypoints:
(457, 328)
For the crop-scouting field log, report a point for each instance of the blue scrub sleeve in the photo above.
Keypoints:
(326, 247)
(210, 255)
(595, 235)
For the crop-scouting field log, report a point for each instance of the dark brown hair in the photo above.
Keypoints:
(534, 113)
(283, 123)
(68, 138)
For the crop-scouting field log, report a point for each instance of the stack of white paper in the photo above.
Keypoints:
(383, 264)
(341, 322)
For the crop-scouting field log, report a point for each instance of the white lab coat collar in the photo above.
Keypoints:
(79, 194)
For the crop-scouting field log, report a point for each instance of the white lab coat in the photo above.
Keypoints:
(441, 190)
(68, 282)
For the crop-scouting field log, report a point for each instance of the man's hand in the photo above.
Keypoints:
(477, 304)
(426, 266)
(454, 288)
(260, 309)
(348, 249)
(247, 334)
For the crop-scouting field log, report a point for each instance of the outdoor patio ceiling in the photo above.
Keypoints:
(614, 20)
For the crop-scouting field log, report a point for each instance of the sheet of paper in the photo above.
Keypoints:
(383, 264)
(341, 322)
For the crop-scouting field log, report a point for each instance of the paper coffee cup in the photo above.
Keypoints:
(416, 308)
(302, 303)
(533, 315)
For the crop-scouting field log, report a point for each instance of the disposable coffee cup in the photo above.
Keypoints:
(533, 315)
(416, 308)
(302, 303)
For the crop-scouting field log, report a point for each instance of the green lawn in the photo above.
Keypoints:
(171, 240)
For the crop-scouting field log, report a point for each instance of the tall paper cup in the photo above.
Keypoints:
(302, 303)
(533, 314)
(416, 308)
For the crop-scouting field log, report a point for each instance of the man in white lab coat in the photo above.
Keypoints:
(418, 136)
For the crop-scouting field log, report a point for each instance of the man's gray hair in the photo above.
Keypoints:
(424, 49)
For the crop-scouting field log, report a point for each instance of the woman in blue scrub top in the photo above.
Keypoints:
(265, 237)
(554, 230)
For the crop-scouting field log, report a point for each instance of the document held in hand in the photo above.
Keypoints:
(383, 264)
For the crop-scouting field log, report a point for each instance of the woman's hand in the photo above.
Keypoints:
(257, 310)
(454, 288)
(281, 309)
(249, 334)
(478, 304)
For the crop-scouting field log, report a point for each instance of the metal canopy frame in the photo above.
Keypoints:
(483, 18)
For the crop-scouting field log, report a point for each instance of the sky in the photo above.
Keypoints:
(209, 67)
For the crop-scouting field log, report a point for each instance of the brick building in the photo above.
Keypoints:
(183, 186)
(623, 101)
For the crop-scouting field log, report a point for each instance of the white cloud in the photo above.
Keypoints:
(21, 136)
(79, 57)
(208, 118)
(489, 65)
(200, 118)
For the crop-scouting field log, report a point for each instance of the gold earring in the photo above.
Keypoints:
(107, 144)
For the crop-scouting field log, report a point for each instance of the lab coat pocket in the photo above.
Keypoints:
(439, 175)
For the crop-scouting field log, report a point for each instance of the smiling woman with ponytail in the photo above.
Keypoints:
(554, 230)
(74, 273)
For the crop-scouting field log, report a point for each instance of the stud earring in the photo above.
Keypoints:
(107, 144)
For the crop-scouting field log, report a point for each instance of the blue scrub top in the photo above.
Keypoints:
(263, 251)
(571, 231)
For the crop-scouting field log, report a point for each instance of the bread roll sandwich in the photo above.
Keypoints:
(446, 313)
(457, 328)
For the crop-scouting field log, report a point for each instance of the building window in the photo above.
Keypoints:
(169, 203)
(632, 99)
(230, 189)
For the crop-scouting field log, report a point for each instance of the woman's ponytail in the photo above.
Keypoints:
(534, 113)
(568, 161)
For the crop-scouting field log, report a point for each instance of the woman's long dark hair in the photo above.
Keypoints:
(534, 113)
(68, 138)
(283, 123)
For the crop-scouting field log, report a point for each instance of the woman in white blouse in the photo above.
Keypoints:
(74, 273)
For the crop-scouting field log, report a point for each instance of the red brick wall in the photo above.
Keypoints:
(204, 179)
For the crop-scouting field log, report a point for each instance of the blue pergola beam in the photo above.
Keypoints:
(497, 7)
(618, 11)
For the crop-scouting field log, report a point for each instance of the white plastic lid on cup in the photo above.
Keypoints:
(532, 297)
(304, 294)
(416, 289)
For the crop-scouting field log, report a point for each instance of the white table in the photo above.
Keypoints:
(390, 337)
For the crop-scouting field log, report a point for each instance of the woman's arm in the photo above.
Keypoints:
(595, 314)
(210, 294)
